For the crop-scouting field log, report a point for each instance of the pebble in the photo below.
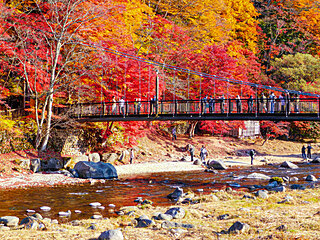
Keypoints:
(77, 211)
(101, 207)
(112, 205)
(30, 211)
(96, 216)
(65, 214)
(45, 208)
(95, 204)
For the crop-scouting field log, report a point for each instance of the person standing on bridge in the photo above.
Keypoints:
(211, 105)
(121, 105)
(238, 103)
(272, 99)
(114, 105)
(222, 103)
(282, 103)
(138, 105)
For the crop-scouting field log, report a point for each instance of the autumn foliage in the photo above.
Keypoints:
(71, 51)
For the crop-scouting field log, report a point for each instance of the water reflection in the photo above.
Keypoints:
(154, 187)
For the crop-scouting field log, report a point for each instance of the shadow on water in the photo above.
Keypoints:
(154, 187)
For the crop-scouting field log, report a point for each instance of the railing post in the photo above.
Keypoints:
(161, 106)
(126, 108)
(257, 106)
(230, 107)
(175, 107)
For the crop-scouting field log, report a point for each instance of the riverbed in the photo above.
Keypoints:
(113, 194)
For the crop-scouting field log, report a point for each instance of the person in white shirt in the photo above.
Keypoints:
(121, 105)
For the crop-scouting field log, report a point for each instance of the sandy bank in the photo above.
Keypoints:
(179, 166)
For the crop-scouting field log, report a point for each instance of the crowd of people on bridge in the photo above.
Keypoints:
(262, 104)
(283, 103)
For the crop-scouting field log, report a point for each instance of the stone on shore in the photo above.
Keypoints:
(94, 157)
(311, 178)
(35, 165)
(176, 194)
(110, 157)
(216, 164)
(289, 165)
(94, 170)
(197, 162)
(258, 176)
(9, 221)
(53, 164)
(111, 235)
(238, 227)
(262, 194)
(74, 160)
(316, 160)
(144, 222)
(278, 189)
(176, 212)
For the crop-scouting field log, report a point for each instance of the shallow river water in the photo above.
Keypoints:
(154, 187)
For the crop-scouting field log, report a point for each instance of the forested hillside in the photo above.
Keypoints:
(60, 52)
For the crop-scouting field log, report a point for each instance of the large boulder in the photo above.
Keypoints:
(99, 170)
(289, 165)
(110, 157)
(94, 157)
(53, 164)
(216, 164)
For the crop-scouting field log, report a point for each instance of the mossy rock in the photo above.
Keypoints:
(279, 180)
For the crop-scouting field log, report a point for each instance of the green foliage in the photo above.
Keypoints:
(298, 72)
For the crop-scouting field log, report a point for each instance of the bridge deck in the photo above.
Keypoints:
(229, 109)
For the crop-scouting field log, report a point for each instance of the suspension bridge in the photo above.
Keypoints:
(288, 105)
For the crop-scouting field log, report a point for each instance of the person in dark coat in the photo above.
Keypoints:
(303, 152)
(309, 147)
(191, 151)
(252, 154)
(174, 134)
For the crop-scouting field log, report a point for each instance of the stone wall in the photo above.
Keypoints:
(68, 142)
(9, 142)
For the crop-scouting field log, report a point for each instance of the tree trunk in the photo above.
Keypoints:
(192, 128)
(48, 125)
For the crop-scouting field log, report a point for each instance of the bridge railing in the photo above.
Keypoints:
(200, 107)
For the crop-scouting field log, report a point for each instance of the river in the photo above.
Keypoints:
(154, 187)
